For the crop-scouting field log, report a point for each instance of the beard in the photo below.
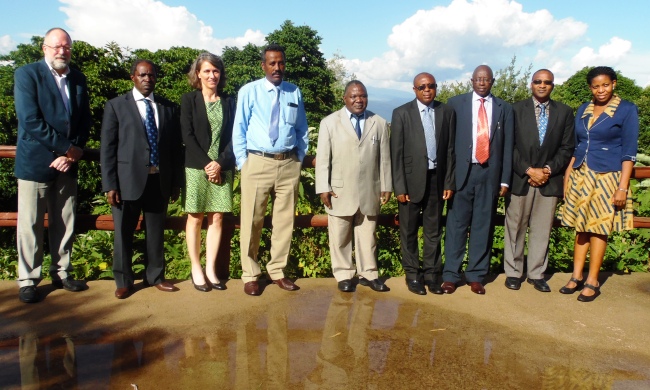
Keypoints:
(59, 63)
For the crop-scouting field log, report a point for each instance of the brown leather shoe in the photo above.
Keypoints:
(123, 292)
(252, 288)
(166, 287)
(477, 288)
(448, 287)
(286, 284)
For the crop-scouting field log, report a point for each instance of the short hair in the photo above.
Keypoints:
(54, 29)
(351, 83)
(600, 71)
(542, 70)
(139, 61)
(272, 47)
(215, 61)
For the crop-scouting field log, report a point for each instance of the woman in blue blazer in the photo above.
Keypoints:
(597, 182)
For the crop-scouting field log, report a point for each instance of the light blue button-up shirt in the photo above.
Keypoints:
(251, 128)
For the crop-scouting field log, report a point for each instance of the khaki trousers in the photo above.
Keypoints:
(58, 199)
(365, 244)
(261, 176)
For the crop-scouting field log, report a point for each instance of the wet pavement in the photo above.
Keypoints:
(319, 338)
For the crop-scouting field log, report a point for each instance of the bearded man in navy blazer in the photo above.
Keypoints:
(142, 168)
(484, 142)
(53, 113)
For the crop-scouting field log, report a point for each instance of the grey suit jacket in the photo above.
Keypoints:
(356, 170)
(555, 151)
(501, 140)
(125, 149)
(409, 149)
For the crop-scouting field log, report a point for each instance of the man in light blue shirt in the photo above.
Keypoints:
(269, 141)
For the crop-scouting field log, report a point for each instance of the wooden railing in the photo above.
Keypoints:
(85, 222)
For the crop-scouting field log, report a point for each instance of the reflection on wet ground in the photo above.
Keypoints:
(327, 340)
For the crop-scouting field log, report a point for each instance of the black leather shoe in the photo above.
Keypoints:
(514, 283)
(375, 284)
(589, 298)
(201, 287)
(218, 286)
(416, 287)
(69, 284)
(435, 287)
(346, 285)
(571, 290)
(540, 285)
(29, 294)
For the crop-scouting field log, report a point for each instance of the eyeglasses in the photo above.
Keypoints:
(425, 86)
(59, 47)
(545, 82)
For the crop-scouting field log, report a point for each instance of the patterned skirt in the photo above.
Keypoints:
(588, 203)
(202, 196)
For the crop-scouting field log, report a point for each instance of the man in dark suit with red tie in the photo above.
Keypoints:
(142, 167)
(423, 163)
(484, 141)
(544, 140)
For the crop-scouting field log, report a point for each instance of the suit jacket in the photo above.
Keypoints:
(356, 170)
(555, 151)
(125, 149)
(46, 129)
(501, 140)
(408, 149)
(197, 133)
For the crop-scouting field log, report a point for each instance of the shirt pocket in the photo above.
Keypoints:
(291, 113)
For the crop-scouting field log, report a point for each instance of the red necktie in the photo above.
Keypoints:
(482, 135)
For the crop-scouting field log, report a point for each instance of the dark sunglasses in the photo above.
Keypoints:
(546, 82)
(424, 86)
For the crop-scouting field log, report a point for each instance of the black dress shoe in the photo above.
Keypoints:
(585, 298)
(435, 287)
(571, 290)
(346, 285)
(69, 284)
(375, 284)
(514, 283)
(201, 287)
(218, 286)
(540, 285)
(416, 287)
(29, 294)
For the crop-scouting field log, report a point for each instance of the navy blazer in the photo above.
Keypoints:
(610, 141)
(45, 128)
(197, 132)
(501, 140)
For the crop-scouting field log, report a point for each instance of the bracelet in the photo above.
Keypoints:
(622, 189)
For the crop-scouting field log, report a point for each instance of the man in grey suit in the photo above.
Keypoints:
(484, 140)
(53, 113)
(353, 179)
(423, 159)
(142, 167)
(544, 141)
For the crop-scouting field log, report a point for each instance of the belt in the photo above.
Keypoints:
(275, 156)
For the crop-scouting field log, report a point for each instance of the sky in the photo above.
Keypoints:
(384, 42)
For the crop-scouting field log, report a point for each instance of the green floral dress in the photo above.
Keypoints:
(201, 196)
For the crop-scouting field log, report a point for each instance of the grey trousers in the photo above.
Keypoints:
(58, 199)
(534, 214)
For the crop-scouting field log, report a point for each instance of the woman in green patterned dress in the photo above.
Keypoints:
(206, 123)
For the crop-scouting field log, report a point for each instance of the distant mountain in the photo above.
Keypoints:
(382, 101)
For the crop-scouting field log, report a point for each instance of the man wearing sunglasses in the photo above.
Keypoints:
(544, 140)
(423, 162)
(53, 114)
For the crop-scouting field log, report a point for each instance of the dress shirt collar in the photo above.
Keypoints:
(270, 86)
(362, 116)
(138, 96)
(537, 103)
(54, 72)
(422, 106)
(476, 97)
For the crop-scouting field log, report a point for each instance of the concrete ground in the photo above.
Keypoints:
(318, 337)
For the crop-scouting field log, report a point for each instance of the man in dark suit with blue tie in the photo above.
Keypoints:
(484, 142)
(53, 113)
(142, 167)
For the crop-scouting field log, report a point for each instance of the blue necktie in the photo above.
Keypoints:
(274, 129)
(357, 125)
(152, 134)
(543, 123)
(430, 137)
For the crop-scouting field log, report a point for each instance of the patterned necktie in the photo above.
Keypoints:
(357, 126)
(482, 135)
(429, 136)
(543, 123)
(152, 134)
(274, 129)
